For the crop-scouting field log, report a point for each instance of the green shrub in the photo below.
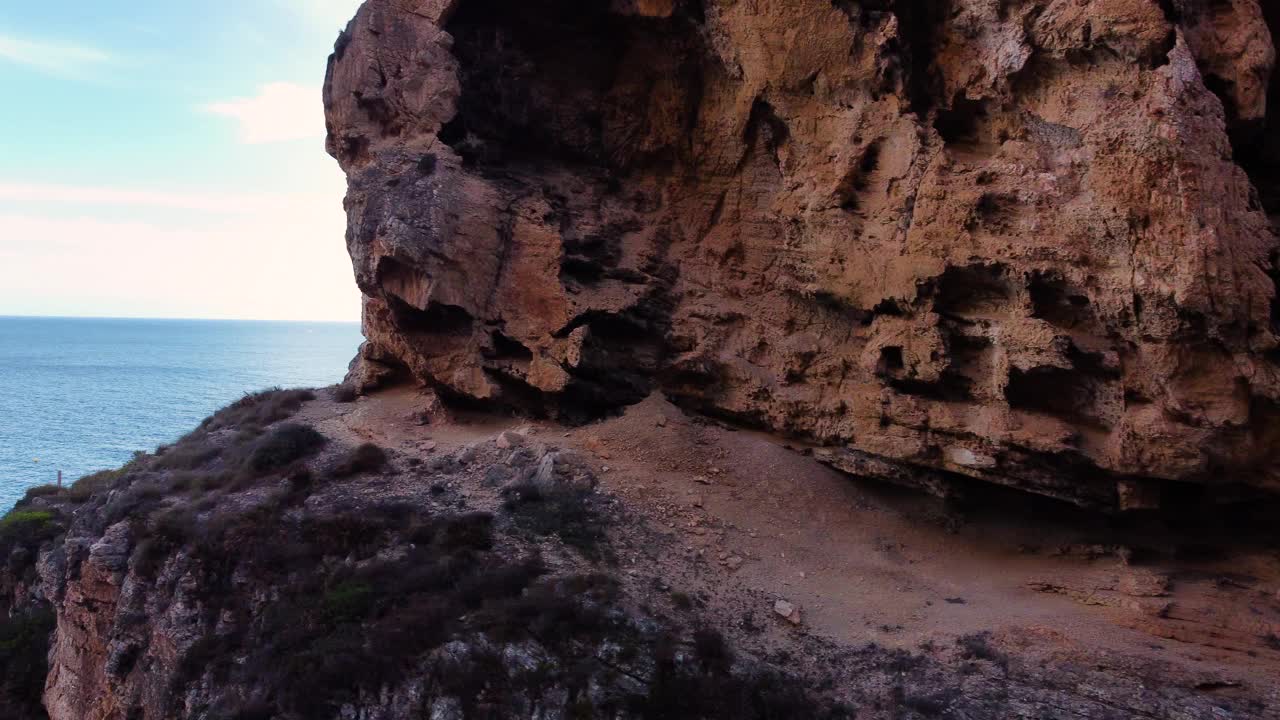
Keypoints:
(562, 511)
(40, 491)
(258, 409)
(27, 527)
(351, 600)
(281, 447)
(365, 458)
(188, 455)
(89, 485)
(24, 650)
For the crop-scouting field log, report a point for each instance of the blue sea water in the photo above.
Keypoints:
(81, 395)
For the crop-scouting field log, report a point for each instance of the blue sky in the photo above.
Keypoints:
(166, 159)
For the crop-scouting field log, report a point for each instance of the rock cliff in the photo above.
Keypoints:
(1020, 241)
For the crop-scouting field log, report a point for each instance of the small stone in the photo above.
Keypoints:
(698, 501)
(733, 563)
(661, 421)
(702, 479)
(510, 439)
(787, 611)
(545, 476)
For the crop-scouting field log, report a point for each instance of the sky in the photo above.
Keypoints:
(166, 159)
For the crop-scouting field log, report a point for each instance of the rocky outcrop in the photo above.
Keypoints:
(1007, 241)
(276, 564)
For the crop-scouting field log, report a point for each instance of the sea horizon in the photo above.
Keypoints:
(82, 394)
(4, 316)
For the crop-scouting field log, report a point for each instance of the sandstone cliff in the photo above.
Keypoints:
(1020, 241)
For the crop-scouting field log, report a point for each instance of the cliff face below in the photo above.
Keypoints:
(1025, 242)
(298, 557)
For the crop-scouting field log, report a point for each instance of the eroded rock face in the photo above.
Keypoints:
(1004, 240)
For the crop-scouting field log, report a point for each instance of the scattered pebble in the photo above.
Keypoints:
(788, 611)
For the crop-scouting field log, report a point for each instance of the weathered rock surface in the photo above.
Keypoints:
(1009, 241)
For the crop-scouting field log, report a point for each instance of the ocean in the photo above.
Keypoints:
(81, 395)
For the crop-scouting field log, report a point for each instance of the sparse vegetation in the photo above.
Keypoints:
(40, 491)
(89, 485)
(366, 458)
(24, 650)
(363, 623)
(258, 410)
(27, 527)
(563, 511)
(281, 447)
(977, 646)
(345, 394)
(355, 599)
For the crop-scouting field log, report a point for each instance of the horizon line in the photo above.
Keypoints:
(7, 316)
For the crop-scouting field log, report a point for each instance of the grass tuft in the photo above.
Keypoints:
(366, 458)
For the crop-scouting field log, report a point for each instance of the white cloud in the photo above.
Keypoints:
(280, 112)
(52, 57)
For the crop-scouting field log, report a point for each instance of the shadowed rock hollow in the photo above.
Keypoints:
(1009, 241)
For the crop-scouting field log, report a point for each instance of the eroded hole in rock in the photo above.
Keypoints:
(620, 356)
(973, 291)
(1055, 302)
(1091, 363)
(404, 282)
(546, 82)
(964, 375)
(890, 364)
(858, 179)
(992, 211)
(508, 348)
(534, 86)
(437, 319)
(961, 123)
(1069, 395)
(589, 260)
(764, 126)
(951, 387)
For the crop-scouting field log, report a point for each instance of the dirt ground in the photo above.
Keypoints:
(740, 520)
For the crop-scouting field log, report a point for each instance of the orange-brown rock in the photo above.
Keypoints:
(1009, 241)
